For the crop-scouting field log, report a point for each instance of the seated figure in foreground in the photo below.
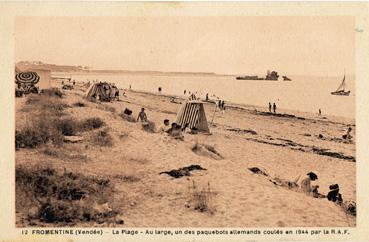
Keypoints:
(164, 127)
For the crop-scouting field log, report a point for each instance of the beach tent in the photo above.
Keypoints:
(192, 112)
(100, 91)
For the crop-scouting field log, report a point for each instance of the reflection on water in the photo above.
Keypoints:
(302, 94)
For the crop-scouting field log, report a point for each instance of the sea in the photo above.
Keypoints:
(302, 94)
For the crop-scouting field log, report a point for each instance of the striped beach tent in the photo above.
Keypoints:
(192, 112)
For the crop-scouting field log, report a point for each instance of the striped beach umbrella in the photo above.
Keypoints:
(27, 77)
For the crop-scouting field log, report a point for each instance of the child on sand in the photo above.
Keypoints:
(142, 116)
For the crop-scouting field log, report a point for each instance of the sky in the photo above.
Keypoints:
(226, 45)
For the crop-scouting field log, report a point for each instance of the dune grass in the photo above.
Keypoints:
(44, 195)
(49, 123)
(102, 138)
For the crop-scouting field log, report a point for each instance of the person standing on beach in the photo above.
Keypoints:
(347, 136)
(274, 107)
(184, 92)
(142, 115)
(320, 112)
(270, 107)
(220, 104)
(223, 108)
(207, 97)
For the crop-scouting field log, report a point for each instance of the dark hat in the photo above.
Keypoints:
(312, 175)
(334, 187)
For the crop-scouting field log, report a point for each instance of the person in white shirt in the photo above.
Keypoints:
(305, 184)
(164, 127)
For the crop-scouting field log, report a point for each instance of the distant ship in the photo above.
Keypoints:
(341, 89)
(271, 76)
(285, 78)
(249, 78)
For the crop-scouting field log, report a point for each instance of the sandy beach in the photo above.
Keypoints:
(285, 146)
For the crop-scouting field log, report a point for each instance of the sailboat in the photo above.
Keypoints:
(341, 89)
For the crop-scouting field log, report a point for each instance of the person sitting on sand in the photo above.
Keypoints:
(165, 127)
(186, 128)
(305, 184)
(176, 132)
(142, 116)
(173, 126)
(194, 130)
(334, 195)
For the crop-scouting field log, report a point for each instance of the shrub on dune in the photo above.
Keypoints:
(92, 123)
(200, 198)
(46, 196)
(52, 92)
(102, 138)
(36, 133)
(68, 126)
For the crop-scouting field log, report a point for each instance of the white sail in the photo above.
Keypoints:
(341, 87)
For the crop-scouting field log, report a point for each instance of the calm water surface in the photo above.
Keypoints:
(306, 94)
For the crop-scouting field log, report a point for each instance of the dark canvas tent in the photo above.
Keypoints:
(192, 112)
(101, 91)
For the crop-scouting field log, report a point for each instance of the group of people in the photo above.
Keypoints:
(274, 106)
(23, 88)
(306, 187)
(174, 130)
(333, 195)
